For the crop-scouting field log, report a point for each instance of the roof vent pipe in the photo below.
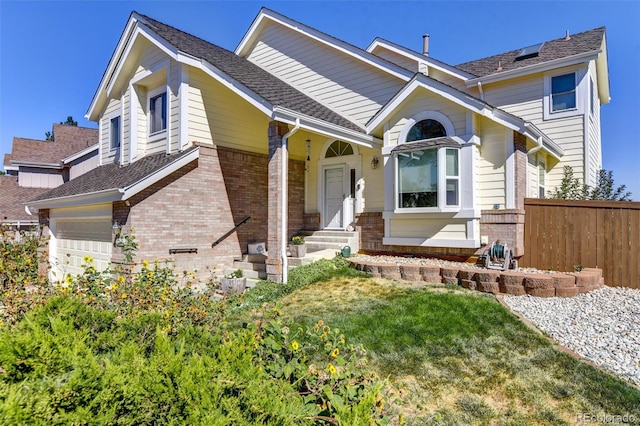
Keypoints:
(425, 44)
(566, 36)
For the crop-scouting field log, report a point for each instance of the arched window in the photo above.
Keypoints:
(426, 129)
(338, 149)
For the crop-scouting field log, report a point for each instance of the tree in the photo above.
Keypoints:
(48, 136)
(69, 122)
(572, 189)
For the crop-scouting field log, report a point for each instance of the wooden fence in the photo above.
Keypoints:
(560, 234)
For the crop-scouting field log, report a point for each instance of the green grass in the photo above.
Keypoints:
(459, 357)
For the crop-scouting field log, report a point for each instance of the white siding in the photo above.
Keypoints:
(595, 143)
(38, 178)
(521, 96)
(492, 165)
(112, 110)
(451, 81)
(348, 85)
(454, 229)
(397, 59)
(217, 115)
(83, 166)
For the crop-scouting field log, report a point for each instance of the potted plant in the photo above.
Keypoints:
(297, 248)
(233, 283)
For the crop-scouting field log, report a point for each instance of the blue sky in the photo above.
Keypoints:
(53, 54)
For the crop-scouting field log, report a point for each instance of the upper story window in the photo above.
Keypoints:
(158, 112)
(428, 172)
(115, 133)
(563, 92)
(426, 129)
(542, 170)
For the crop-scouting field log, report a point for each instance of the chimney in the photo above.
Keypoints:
(425, 45)
(566, 37)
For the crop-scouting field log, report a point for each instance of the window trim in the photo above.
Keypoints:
(152, 94)
(112, 147)
(581, 87)
(442, 206)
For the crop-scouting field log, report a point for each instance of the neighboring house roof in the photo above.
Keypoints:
(576, 44)
(112, 182)
(69, 140)
(12, 199)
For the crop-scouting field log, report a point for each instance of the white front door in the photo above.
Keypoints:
(333, 196)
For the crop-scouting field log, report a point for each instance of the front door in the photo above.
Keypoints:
(333, 196)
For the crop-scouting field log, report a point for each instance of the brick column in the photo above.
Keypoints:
(520, 154)
(43, 252)
(274, 230)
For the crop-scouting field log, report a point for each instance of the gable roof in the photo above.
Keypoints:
(112, 182)
(581, 43)
(68, 140)
(12, 199)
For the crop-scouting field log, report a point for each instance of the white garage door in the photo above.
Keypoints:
(78, 236)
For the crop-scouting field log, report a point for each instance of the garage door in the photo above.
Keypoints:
(75, 237)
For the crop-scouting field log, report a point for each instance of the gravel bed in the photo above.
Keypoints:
(602, 325)
(407, 260)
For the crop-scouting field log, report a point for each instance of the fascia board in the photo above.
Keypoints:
(533, 132)
(82, 153)
(602, 70)
(149, 180)
(334, 43)
(408, 53)
(56, 166)
(328, 129)
(12, 168)
(113, 62)
(541, 67)
(105, 196)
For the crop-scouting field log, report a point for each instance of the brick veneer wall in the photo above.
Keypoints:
(201, 202)
(506, 226)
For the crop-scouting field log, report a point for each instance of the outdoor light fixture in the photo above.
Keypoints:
(374, 162)
(116, 228)
(308, 149)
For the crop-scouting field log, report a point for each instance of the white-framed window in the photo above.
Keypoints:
(157, 111)
(428, 179)
(114, 133)
(563, 92)
(592, 97)
(542, 171)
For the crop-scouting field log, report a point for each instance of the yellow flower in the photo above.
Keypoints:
(332, 369)
(145, 264)
(295, 346)
(123, 296)
(87, 259)
(121, 279)
(335, 352)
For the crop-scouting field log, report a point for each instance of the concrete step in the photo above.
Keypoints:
(250, 266)
(249, 273)
(327, 239)
(315, 246)
(335, 234)
(252, 258)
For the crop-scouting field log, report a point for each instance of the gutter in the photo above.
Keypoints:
(283, 197)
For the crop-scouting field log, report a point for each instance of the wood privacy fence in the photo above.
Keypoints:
(560, 234)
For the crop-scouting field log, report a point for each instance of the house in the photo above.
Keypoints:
(35, 166)
(301, 131)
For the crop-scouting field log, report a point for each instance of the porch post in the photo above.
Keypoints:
(520, 171)
(274, 227)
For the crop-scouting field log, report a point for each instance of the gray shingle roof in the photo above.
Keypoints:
(112, 176)
(259, 81)
(12, 199)
(587, 41)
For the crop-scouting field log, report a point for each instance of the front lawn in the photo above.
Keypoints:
(459, 357)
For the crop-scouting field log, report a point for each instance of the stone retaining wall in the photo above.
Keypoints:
(514, 283)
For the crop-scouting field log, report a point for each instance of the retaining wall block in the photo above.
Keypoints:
(487, 276)
(587, 279)
(538, 281)
(410, 272)
(512, 278)
(450, 280)
(470, 284)
(371, 269)
(566, 291)
(596, 271)
(541, 292)
(564, 281)
(467, 274)
(389, 271)
(432, 278)
(513, 289)
(449, 271)
(489, 286)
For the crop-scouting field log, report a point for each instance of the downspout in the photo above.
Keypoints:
(284, 196)
(539, 145)
(480, 90)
